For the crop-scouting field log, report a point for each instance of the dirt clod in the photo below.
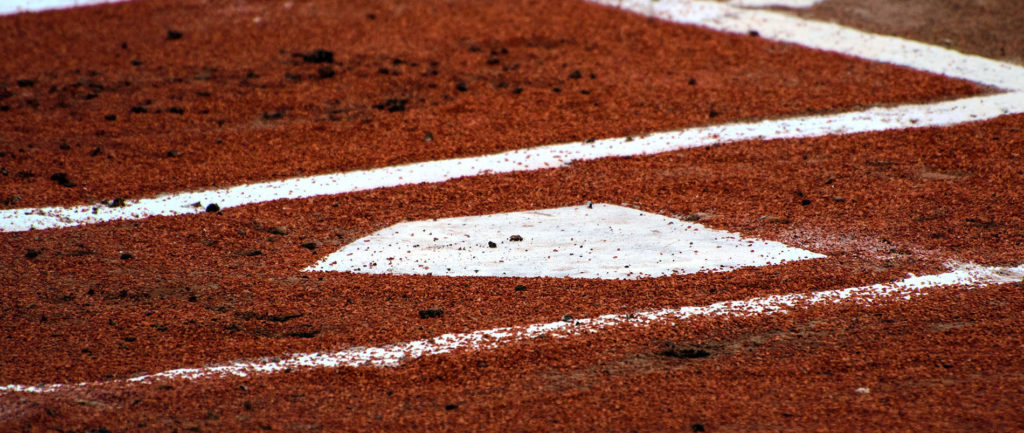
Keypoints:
(318, 56)
(431, 313)
(684, 351)
(62, 180)
(392, 105)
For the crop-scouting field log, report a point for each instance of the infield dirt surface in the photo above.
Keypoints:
(135, 99)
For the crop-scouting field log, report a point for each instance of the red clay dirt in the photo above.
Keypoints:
(840, 368)
(880, 205)
(141, 98)
(112, 300)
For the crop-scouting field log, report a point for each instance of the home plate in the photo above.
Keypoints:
(590, 241)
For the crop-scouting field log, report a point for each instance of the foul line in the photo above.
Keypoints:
(543, 157)
(781, 27)
(971, 276)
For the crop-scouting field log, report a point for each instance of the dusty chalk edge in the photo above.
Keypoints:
(970, 276)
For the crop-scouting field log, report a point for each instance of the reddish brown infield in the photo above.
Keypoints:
(125, 111)
(233, 100)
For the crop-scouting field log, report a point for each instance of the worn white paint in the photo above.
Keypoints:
(393, 355)
(543, 157)
(17, 6)
(789, 4)
(596, 241)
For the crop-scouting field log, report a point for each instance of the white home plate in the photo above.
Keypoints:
(602, 241)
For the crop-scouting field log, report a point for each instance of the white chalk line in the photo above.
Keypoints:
(544, 157)
(790, 4)
(782, 27)
(718, 16)
(9, 7)
(971, 276)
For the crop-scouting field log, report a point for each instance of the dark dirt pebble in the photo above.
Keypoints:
(273, 115)
(110, 117)
(278, 230)
(697, 427)
(517, 90)
(491, 244)
(173, 153)
(461, 87)
(568, 318)
(31, 254)
(713, 113)
(304, 334)
(173, 35)
(139, 109)
(318, 56)
(520, 288)
(62, 179)
(428, 137)
(309, 245)
(515, 238)
(685, 352)
(430, 313)
(212, 207)
(26, 83)
(392, 105)
(451, 407)
(127, 256)
(250, 253)
(278, 318)
(130, 339)
(117, 202)
(575, 75)
(692, 82)
(176, 110)
(805, 202)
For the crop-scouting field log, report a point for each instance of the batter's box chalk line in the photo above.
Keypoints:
(717, 16)
(966, 276)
